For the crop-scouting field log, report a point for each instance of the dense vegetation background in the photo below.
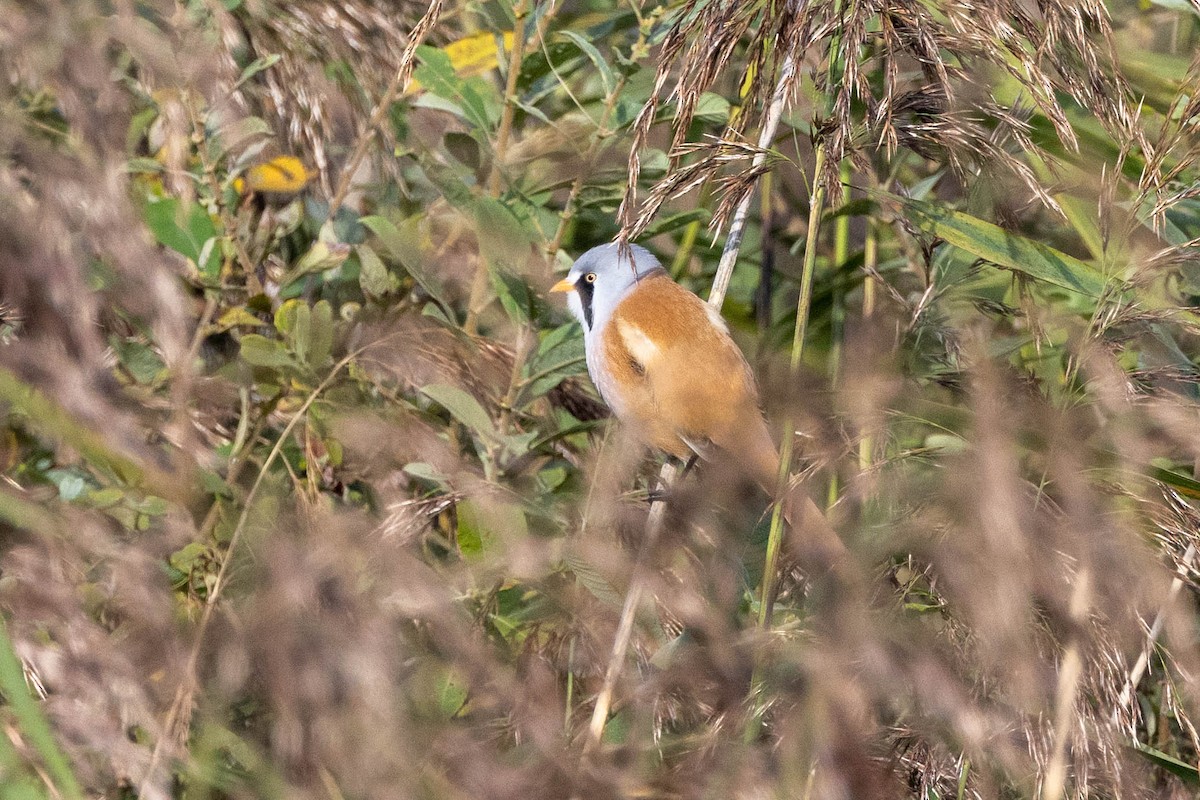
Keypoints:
(306, 493)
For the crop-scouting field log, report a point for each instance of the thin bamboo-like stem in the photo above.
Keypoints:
(866, 445)
(837, 314)
(1143, 659)
(733, 242)
(633, 599)
(520, 11)
(766, 605)
(29, 723)
(799, 334)
(1070, 672)
(687, 243)
(639, 579)
(766, 270)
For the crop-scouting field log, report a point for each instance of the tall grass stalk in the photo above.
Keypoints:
(1070, 673)
(799, 333)
(1138, 670)
(633, 599)
(866, 444)
(603, 137)
(737, 227)
(837, 313)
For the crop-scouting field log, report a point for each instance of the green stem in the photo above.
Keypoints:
(803, 305)
(775, 536)
(686, 244)
(837, 314)
(570, 699)
(866, 445)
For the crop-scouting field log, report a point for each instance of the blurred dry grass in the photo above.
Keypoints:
(419, 538)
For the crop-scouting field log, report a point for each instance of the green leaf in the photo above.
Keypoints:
(946, 443)
(373, 275)
(655, 163)
(70, 484)
(589, 50)
(992, 243)
(503, 237)
(294, 321)
(322, 256)
(593, 581)
(1180, 769)
(1185, 485)
(403, 244)
(236, 317)
(676, 221)
(426, 472)
(320, 342)
(483, 524)
(451, 695)
(258, 65)
(144, 166)
(475, 96)
(212, 483)
(712, 108)
(559, 355)
(106, 497)
(436, 68)
(185, 558)
(189, 231)
(463, 407)
(140, 359)
(285, 317)
(514, 294)
(518, 444)
(552, 477)
(469, 533)
(259, 351)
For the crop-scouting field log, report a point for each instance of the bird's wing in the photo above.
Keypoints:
(693, 383)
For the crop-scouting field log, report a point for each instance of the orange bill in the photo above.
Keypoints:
(563, 286)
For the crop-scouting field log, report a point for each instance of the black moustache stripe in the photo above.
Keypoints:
(586, 290)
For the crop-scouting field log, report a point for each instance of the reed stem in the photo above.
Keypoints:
(803, 307)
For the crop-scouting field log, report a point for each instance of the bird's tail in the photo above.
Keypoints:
(814, 542)
(812, 539)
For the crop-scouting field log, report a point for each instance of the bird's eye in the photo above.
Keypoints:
(590, 277)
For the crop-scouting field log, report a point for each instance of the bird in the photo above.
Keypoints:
(664, 362)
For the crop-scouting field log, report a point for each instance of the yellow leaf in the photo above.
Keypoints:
(237, 316)
(477, 54)
(472, 56)
(280, 175)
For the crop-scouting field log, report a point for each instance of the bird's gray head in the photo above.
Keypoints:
(600, 278)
